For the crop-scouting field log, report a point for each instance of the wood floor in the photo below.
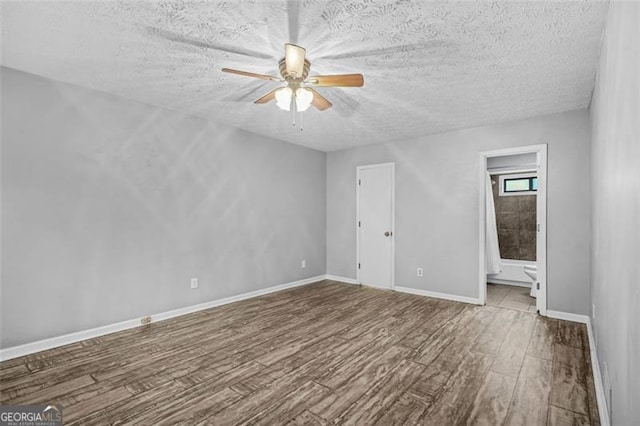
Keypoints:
(326, 353)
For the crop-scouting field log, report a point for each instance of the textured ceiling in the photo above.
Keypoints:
(429, 66)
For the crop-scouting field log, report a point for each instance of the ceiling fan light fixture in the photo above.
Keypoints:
(283, 98)
(294, 60)
(303, 99)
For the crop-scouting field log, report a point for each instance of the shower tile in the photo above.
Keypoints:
(508, 204)
(508, 238)
(507, 220)
(527, 220)
(527, 238)
(527, 203)
(527, 253)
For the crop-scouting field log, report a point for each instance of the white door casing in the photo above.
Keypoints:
(375, 225)
(541, 239)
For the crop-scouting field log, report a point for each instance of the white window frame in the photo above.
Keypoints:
(515, 176)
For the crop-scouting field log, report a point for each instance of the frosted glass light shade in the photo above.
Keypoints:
(294, 57)
(303, 99)
(283, 98)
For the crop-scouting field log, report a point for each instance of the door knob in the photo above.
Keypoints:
(387, 233)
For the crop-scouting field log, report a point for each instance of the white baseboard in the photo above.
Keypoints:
(341, 279)
(455, 298)
(584, 319)
(54, 342)
(603, 410)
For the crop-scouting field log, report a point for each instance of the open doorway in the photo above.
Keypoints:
(512, 226)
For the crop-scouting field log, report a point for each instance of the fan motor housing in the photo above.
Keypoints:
(288, 77)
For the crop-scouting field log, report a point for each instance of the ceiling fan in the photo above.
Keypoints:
(298, 93)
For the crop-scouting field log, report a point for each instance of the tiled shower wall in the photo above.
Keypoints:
(516, 220)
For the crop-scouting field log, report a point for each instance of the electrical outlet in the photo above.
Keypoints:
(419, 272)
(303, 264)
(194, 283)
(145, 320)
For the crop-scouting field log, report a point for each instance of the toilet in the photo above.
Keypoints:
(532, 272)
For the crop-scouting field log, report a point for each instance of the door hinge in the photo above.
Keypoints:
(538, 227)
(537, 286)
(358, 266)
(358, 224)
(359, 182)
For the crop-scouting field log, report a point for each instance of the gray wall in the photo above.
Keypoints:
(437, 224)
(110, 206)
(615, 253)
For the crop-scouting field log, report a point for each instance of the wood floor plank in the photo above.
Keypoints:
(571, 334)
(594, 415)
(406, 410)
(543, 338)
(302, 398)
(440, 339)
(530, 402)
(491, 340)
(318, 354)
(448, 360)
(561, 417)
(199, 407)
(125, 411)
(382, 395)
(492, 401)
(350, 391)
(100, 401)
(569, 390)
(512, 352)
(452, 405)
(307, 418)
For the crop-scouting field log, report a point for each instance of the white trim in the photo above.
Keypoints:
(507, 171)
(568, 316)
(341, 279)
(393, 220)
(541, 201)
(446, 296)
(54, 342)
(597, 378)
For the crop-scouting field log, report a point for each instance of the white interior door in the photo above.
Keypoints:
(375, 225)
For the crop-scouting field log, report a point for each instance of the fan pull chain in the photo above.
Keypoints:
(292, 107)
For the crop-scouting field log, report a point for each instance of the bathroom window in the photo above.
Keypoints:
(518, 184)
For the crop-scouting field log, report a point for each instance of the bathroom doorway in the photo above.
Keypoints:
(512, 226)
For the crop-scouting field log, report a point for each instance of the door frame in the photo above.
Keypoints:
(393, 219)
(541, 219)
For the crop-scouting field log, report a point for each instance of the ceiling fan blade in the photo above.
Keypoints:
(343, 80)
(319, 101)
(268, 97)
(294, 59)
(180, 38)
(251, 74)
